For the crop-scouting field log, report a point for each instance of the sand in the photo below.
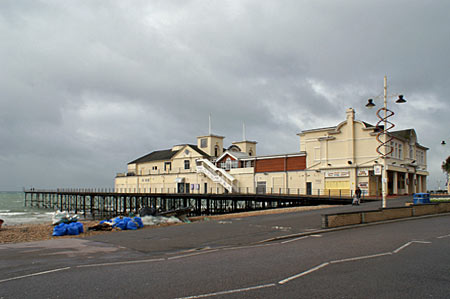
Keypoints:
(40, 232)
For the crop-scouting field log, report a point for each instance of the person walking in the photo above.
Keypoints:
(357, 196)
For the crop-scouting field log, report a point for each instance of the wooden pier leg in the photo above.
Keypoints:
(84, 206)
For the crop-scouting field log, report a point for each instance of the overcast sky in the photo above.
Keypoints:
(88, 86)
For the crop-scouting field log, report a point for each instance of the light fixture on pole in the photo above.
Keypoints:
(383, 137)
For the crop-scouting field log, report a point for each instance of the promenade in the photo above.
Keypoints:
(284, 255)
(232, 231)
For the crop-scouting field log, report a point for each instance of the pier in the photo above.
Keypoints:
(105, 203)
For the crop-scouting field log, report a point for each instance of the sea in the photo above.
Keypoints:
(13, 211)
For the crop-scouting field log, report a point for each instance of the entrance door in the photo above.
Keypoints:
(308, 188)
(206, 187)
(180, 187)
(260, 187)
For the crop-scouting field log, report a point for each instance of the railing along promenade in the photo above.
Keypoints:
(106, 203)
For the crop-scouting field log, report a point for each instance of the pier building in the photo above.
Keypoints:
(332, 160)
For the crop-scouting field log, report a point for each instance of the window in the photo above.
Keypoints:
(155, 168)
(411, 152)
(420, 157)
(250, 153)
(187, 164)
(167, 166)
(400, 151)
(203, 142)
(228, 163)
(216, 151)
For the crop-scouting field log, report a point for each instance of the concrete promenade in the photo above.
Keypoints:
(230, 232)
(229, 259)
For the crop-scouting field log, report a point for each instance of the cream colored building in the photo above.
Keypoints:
(333, 160)
(346, 158)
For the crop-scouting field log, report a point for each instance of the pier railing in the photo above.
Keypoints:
(107, 202)
(212, 190)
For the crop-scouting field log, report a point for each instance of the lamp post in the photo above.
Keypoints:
(383, 137)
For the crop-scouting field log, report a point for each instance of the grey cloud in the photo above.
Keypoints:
(85, 87)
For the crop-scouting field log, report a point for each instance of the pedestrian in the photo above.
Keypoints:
(357, 197)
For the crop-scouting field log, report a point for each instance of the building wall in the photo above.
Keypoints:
(280, 164)
(350, 149)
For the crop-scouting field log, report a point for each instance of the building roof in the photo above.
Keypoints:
(156, 156)
(403, 134)
(198, 150)
(406, 135)
(165, 155)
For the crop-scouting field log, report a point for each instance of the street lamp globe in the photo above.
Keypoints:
(400, 99)
(370, 104)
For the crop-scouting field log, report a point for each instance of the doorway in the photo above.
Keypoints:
(308, 188)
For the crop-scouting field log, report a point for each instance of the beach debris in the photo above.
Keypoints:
(125, 223)
(73, 228)
(147, 211)
(102, 226)
(181, 214)
(157, 220)
(63, 217)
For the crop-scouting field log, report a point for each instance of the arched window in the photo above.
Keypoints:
(250, 153)
(228, 163)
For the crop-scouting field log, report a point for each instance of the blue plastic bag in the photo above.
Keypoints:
(131, 225)
(60, 230)
(139, 222)
(72, 229)
(121, 224)
(80, 227)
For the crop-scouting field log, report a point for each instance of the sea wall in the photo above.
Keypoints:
(360, 217)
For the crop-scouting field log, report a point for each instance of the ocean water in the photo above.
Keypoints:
(13, 212)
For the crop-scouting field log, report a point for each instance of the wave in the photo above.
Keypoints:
(12, 213)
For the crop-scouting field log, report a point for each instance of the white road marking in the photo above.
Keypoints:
(360, 258)
(192, 254)
(34, 274)
(349, 260)
(230, 291)
(303, 273)
(246, 247)
(121, 263)
(407, 244)
(316, 236)
(445, 236)
(296, 239)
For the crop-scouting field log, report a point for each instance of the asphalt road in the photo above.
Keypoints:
(406, 259)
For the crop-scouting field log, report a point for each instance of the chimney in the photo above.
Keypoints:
(350, 114)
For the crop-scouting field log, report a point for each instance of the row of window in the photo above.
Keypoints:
(396, 150)
(229, 164)
(168, 166)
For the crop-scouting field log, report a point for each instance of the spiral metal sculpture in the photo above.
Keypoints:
(387, 126)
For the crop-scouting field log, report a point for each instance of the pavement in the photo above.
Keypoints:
(230, 232)
(226, 259)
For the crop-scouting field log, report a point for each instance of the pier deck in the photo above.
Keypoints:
(106, 204)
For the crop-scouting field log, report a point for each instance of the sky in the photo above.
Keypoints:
(88, 86)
